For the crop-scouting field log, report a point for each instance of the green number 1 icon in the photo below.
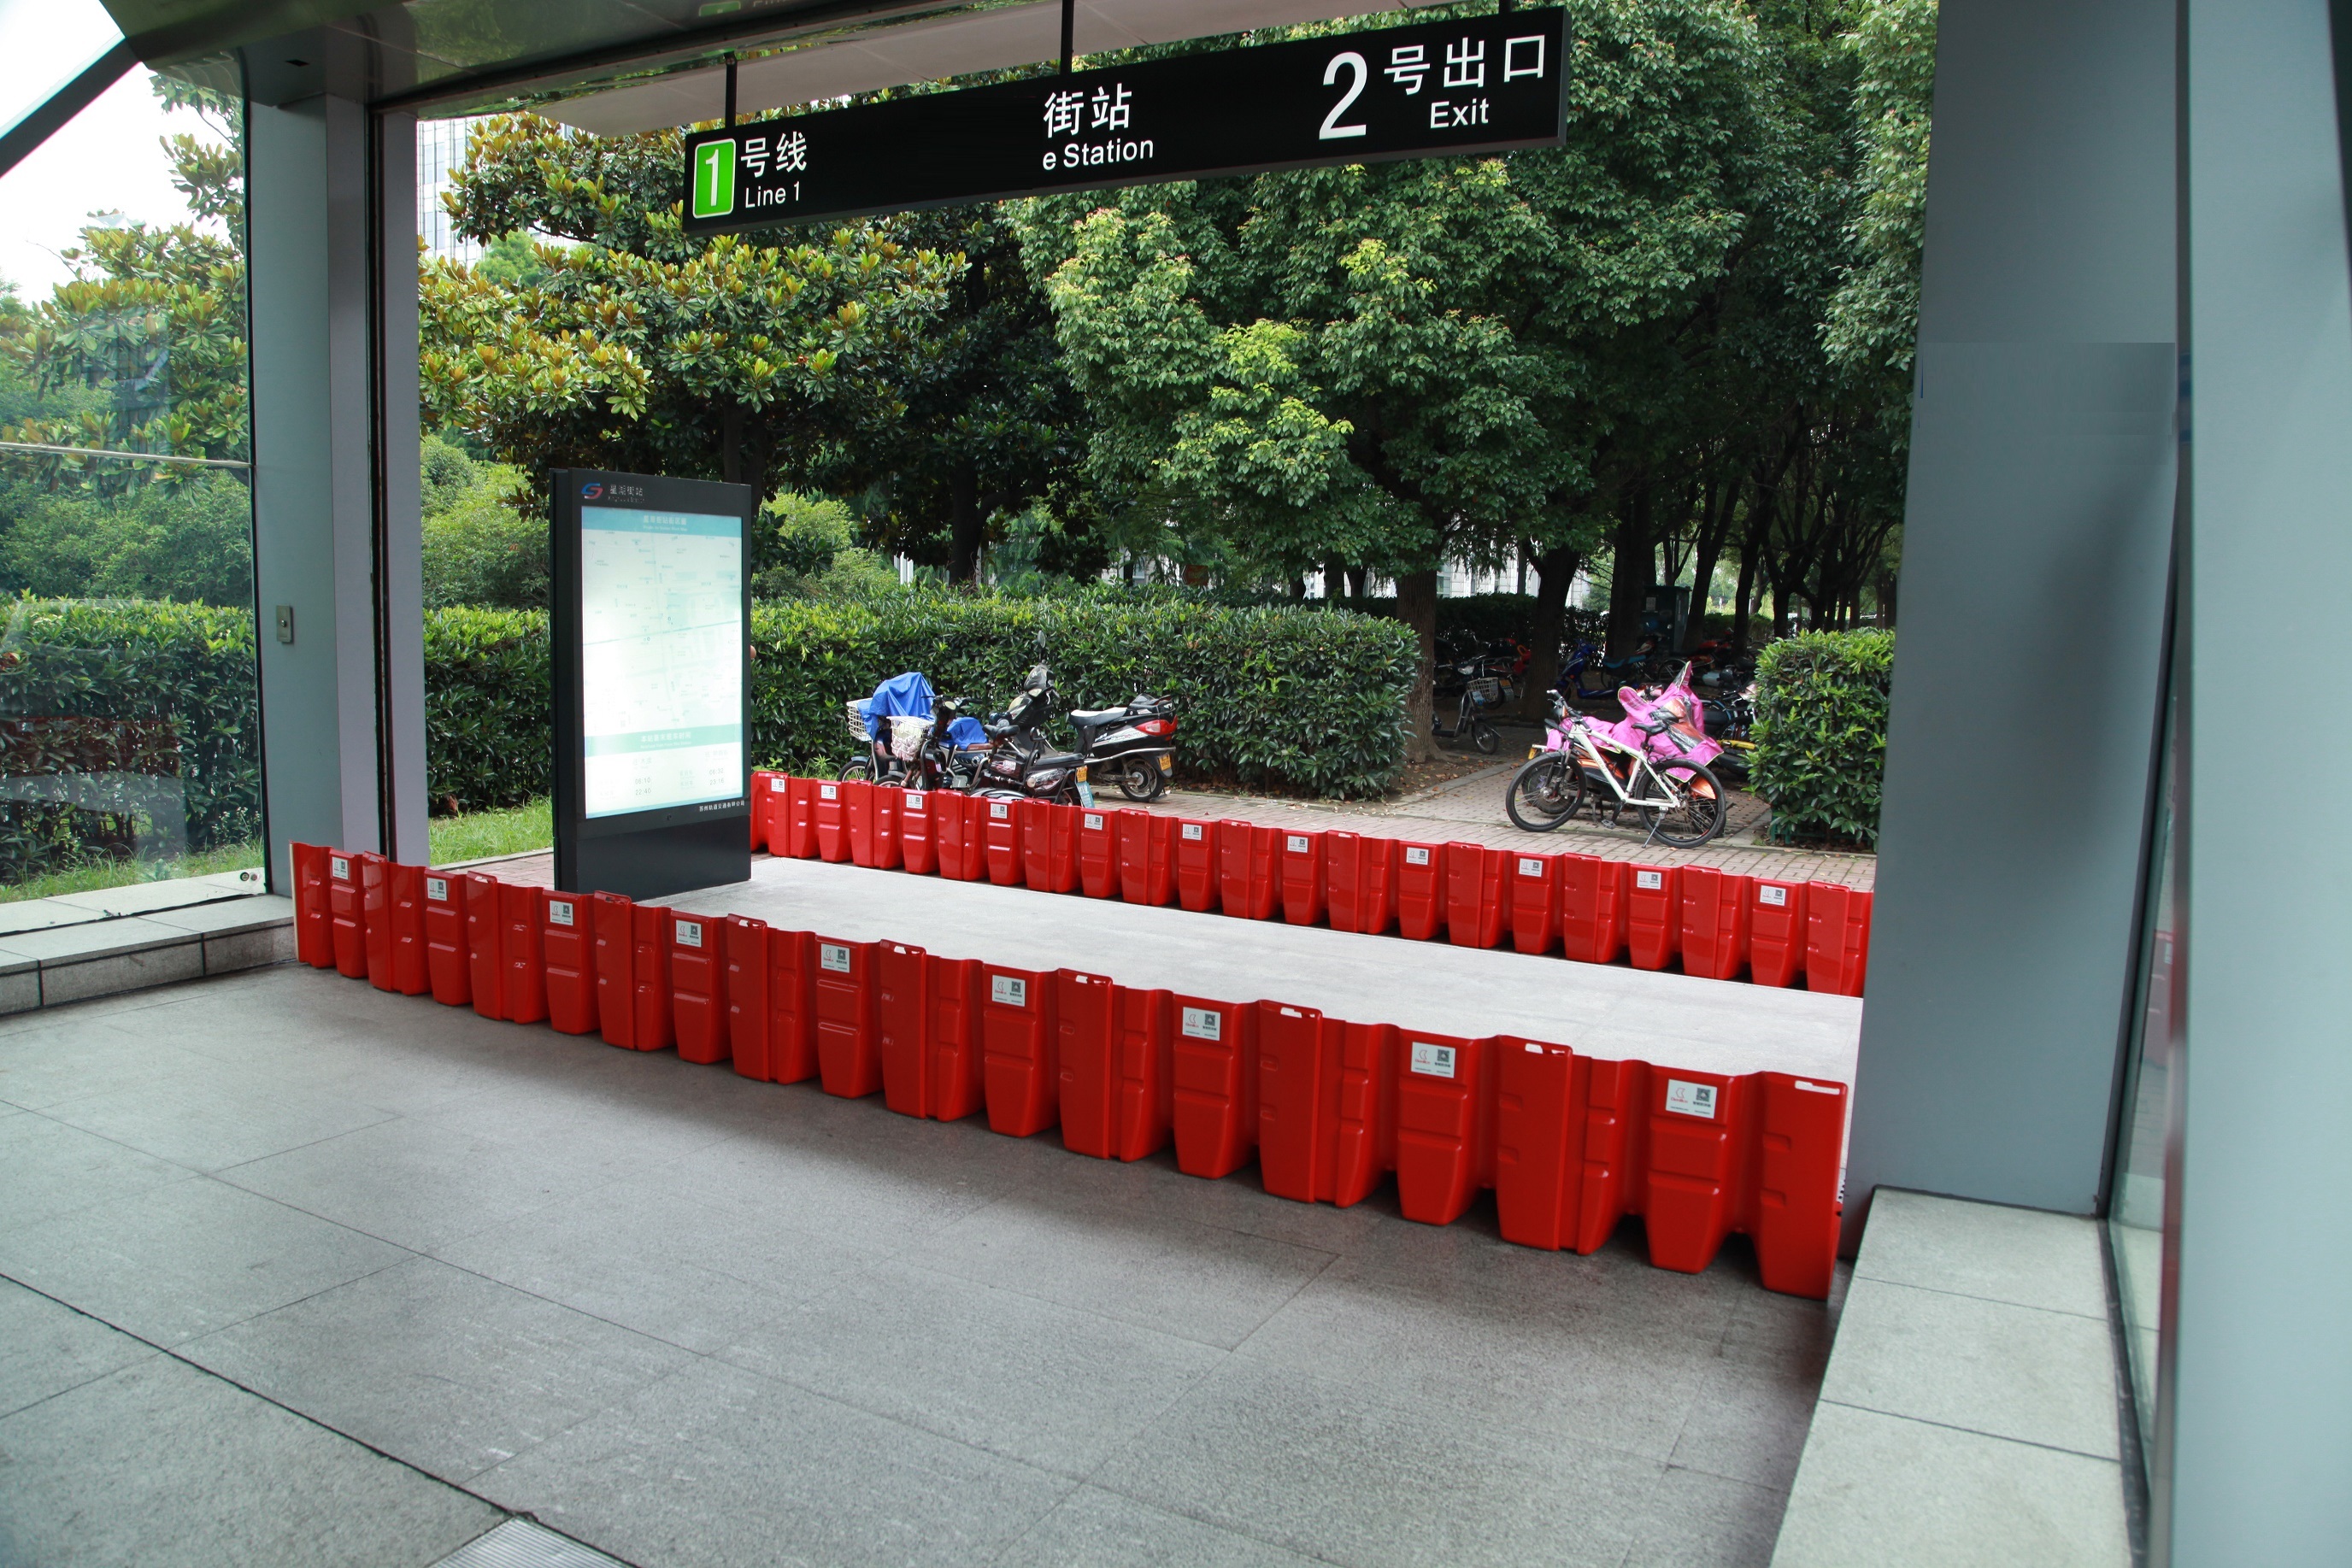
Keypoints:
(714, 179)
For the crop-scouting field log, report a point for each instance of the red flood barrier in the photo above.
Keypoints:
(1213, 1074)
(953, 1085)
(1477, 894)
(346, 915)
(830, 813)
(375, 915)
(1593, 905)
(1001, 837)
(314, 923)
(1247, 885)
(617, 985)
(651, 1027)
(394, 897)
(902, 1025)
(749, 1032)
(1301, 870)
(1098, 853)
(1538, 1143)
(848, 1065)
(799, 809)
(1196, 865)
(1693, 1196)
(1018, 1040)
(567, 956)
(1421, 890)
(1359, 881)
(525, 997)
(791, 1005)
(1535, 903)
(1116, 1070)
(1776, 931)
(447, 962)
(872, 813)
(1325, 1105)
(485, 944)
(1837, 938)
(951, 825)
(1445, 1124)
(917, 845)
(761, 780)
(1049, 845)
(1799, 1178)
(1714, 923)
(1147, 860)
(698, 987)
(1654, 917)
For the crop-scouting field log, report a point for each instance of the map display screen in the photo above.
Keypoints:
(661, 658)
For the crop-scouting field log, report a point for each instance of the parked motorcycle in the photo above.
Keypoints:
(1132, 745)
(1654, 760)
(1020, 762)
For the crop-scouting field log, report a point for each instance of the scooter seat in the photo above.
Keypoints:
(1097, 715)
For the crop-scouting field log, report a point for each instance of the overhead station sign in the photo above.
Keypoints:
(1488, 84)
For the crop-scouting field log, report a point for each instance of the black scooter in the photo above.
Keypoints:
(1021, 763)
(1132, 745)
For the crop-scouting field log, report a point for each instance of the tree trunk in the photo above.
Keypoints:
(1335, 579)
(1555, 571)
(730, 444)
(1629, 573)
(1355, 583)
(1416, 594)
(1742, 597)
(1715, 528)
(964, 530)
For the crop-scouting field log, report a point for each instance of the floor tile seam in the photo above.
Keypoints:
(938, 1272)
(1181, 1511)
(1003, 1555)
(566, 1307)
(43, 1113)
(2100, 1317)
(1971, 1431)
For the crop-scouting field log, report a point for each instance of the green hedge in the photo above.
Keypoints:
(102, 694)
(1821, 733)
(1291, 697)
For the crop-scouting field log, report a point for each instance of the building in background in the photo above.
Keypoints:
(440, 149)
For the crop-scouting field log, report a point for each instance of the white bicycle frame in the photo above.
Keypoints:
(1581, 745)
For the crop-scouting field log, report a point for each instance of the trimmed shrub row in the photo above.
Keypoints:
(1821, 733)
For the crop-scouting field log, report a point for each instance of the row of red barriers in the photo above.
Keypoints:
(1569, 1143)
(1715, 924)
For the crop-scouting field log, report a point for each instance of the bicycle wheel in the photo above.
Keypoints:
(1701, 815)
(1544, 793)
(861, 770)
(1485, 736)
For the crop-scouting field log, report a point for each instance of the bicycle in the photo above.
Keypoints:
(1478, 694)
(1679, 799)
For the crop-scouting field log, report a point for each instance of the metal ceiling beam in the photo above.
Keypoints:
(46, 118)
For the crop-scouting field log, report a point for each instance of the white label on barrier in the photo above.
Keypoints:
(690, 932)
(1688, 1099)
(1297, 843)
(559, 912)
(340, 869)
(832, 956)
(1649, 879)
(1433, 1061)
(1192, 830)
(829, 792)
(776, 786)
(915, 800)
(1776, 895)
(1415, 856)
(436, 888)
(1530, 868)
(1008, 992)
(1205, 1023)
(1094, 823)
(1000, 810)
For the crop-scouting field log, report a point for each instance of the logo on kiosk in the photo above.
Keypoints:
(590, 490)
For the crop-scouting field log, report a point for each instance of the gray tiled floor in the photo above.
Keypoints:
(690, 1319)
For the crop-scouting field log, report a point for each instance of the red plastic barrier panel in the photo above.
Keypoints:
(698, 987)
(485, 944)
(1247, 881)
(1359, 881)
(1714, 912)
(1592, 903)
(1195, 846)
(750, 1020)
(849, 1064)
(874, 824)
(1018, 1040)
(791, 1005)
(447, 962)
(654, 1028)
(1049, 845)
(375, 915)
(858, 821)
(1477, 890)
(902, 1025)
(1001, 835)
(761, 780)
(1538, 1143)
(567, 956)
(615, 922)
(1445, 1124)
(525, 1000)
(1421, 890)
(1298, 1059)
(830, 813)
(800, 819)
(1098, 853)
(1301, 871)
(1147, 1072)
(1801, 1125)
(1086, 1008)
(956, 1077)
(1214, 1073)
(1699, 1130)
(1147, 857)
(346, 914)
(1612, 1097)
(314, 922)
(1776, 931)
(952, 827)
(1535, 903)
(1837, 938)
(410, 976)
(1654, 925)
(918, 841)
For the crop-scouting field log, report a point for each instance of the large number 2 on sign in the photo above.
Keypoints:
(1332, 129)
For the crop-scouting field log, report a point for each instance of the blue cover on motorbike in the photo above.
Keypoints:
(966, 732)
(908, 694)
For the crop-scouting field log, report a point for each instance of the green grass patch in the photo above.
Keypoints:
(94, 874)
(478, 835)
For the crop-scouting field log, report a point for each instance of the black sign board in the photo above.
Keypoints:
(1482, 85)
(651, 622)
